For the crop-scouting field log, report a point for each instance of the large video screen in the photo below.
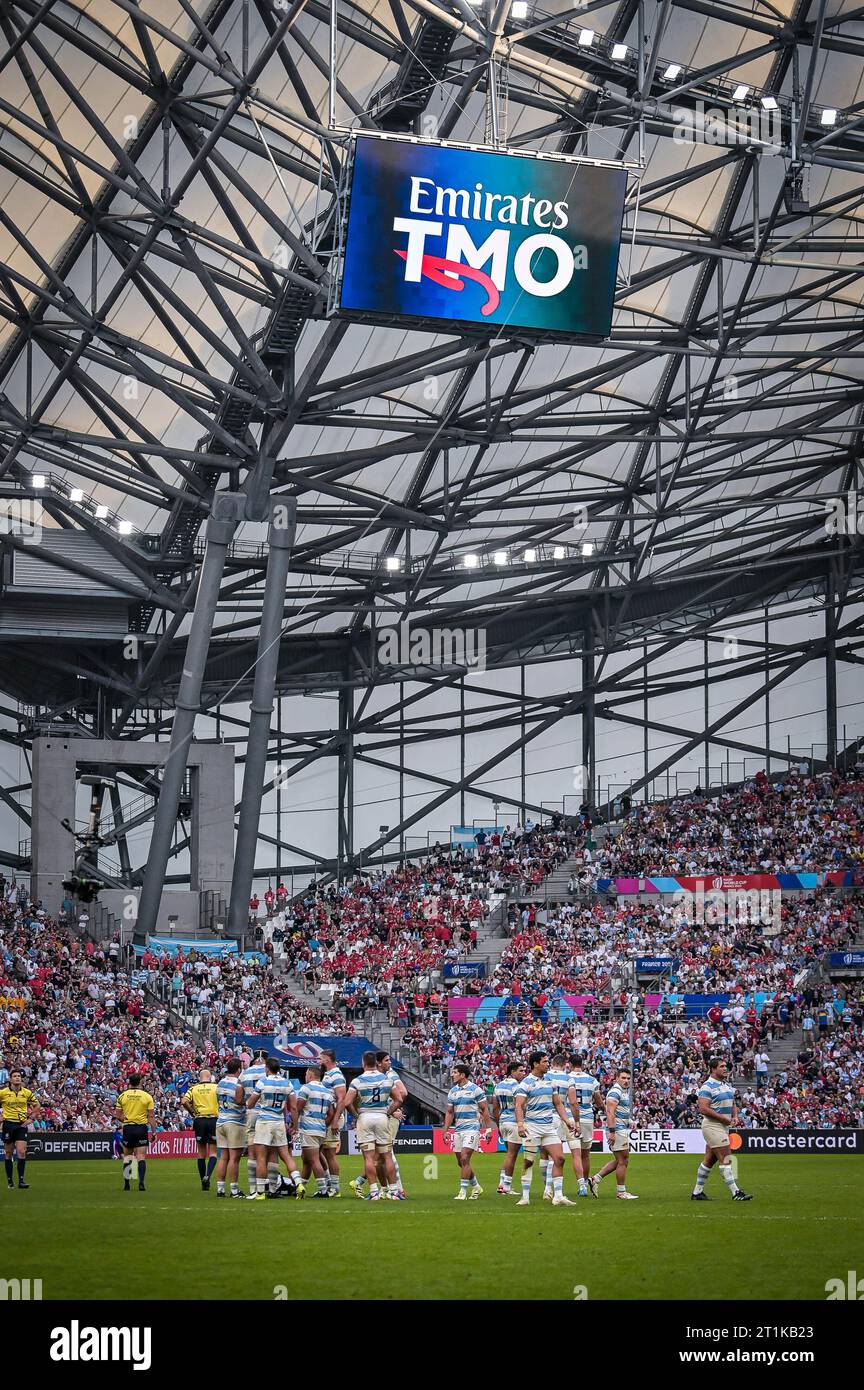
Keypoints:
(480, 239)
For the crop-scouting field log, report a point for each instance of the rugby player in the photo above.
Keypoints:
(248, 1080)
(335, 1079)
(618, 1134)
(716, 1100)
(385, 1065)
(316, 1104)
(466, 1112)
(18, 1105)
(135, 1108)
(536, 1102)
(272, 1097)
(504, 1115)
(587, 1090)
(230, 1128)
(374, 1100)
(569, 1134)
(202, 1102)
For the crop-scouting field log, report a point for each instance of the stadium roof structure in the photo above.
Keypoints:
(168, 245)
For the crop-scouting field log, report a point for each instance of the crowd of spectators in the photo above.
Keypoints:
(801, 824)
(77, 1015)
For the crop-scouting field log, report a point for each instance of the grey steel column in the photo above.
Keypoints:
(280, 538)
(588, 751)
(227, 512)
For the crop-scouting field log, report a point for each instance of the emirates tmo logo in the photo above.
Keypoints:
(439, 218)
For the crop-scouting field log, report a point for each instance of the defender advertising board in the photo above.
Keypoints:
(481, 239)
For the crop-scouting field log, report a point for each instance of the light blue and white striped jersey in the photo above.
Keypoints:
(465, 1100)
(720, 1096)
(230, 1113)
(273, 1092)
(251, 1076)
(585, 1087)
(318, 1098)
(392, 1076)
(622, 1114)
(334, 1077)
(560, 1082)
(538, 1092)
(504, 1092)
(373, 1090)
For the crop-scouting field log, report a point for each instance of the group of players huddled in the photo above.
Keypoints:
(251, 1112)
(544, 1107)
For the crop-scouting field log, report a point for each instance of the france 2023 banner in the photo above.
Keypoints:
(482, 239)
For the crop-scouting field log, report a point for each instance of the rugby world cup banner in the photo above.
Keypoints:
(481, 239)
(850, 959)
(300, 1049)
(466, 970)
(710, 883)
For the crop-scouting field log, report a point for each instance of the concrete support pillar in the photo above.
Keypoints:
(280, 538)
(227, 512)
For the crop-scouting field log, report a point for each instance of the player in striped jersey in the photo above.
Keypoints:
(466, 1112)
(248, 1080)
(374, 1100)
(315, 1106)
(230, 1128)
(559, 1076)
(272, 1098)
(618, 1133)
(716, 1101)
(335, 1079)
(536, 1103)
(385, 1066)
(504, 1115)
(587, 1090)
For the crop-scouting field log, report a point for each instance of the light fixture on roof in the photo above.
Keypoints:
(674, 70)
(530, 556)
(37, 481)
(619, 52)
(829, 116)
(587, 548)
(76, 494)
(470, 561)
(500, 557)
(586, 38)
(125, 528)
(769, 103)
(393, 562)
(519, 10)
(740, 91)
(558, 553)
(101, 512)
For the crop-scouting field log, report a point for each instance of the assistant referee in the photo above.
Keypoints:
(18, 1105)
(135, 1108)
(202, 1102)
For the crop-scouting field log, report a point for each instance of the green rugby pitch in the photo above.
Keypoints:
(85, 1238)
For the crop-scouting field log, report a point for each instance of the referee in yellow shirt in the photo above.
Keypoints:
(135, 1108)
(202, 1102)
(18, 1104)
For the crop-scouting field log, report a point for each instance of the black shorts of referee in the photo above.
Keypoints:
(14, 1132)
(135, 1137)
(205, 1128)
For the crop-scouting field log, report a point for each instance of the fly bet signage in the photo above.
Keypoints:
(439, 234)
